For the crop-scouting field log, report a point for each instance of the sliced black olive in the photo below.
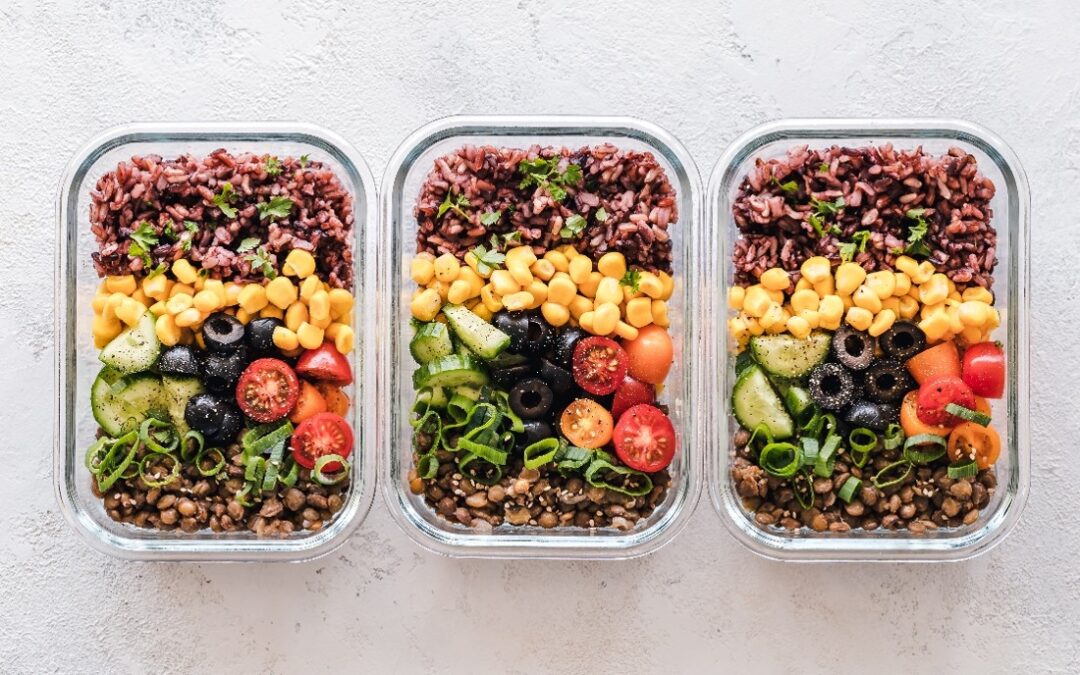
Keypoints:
(505, 378)
(260, 335)
(222, 333)
(887, 381)
(205, 413)
(564, 343)
(221, 372)
(853, 348)
(535, 430)
(531, 399)
(559, 379)
(179, 360)
(516, 325)
(832, 386)
(232, 421)
(868, 414)
(538, 335)
(903, 340)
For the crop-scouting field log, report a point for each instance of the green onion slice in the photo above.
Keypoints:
(849, 488)
(618, 478)
(894, 436)
(810, 450)
(890, 475)
(254, 469)
(764, 432)
(189, 452)
(258, 440)
(803, 489)
(915, 455)
(158, 436)
(572, 458)
(243, 496)
(826, 461)
(968, 414)
(288, 478)
(173, 474)
(862, 439)
(129, 442)
(427, 466)
(541, 452)
(965, 469)
(334, 478)
(96, 454)
(217, 468)
(486, 452)
(479, 469)
(859, 457)
(780, 459)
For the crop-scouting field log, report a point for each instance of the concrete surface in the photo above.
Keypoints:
(704, 70)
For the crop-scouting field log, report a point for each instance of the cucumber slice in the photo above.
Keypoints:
(120, 404)
(178, 391)
(135, 349)
(785, 355)
(450, 371)
(432, 340)
(754, 401)
(478, 335)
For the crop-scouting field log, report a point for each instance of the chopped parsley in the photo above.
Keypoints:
(790, 188)
(278, 207)
(192, 228)
(248, 244)
(916, 241)
(487, 261)
(823, 167)
(169, 231)
(544, 173)
(512, 238)
(143, 239)
(225, 199)
(856, 245)
(260, 260)
(824, 208)
(601, 215)
(273, 166)
(491, 218)
(160, 269)
(304, 159)
(819, 225)
(631, 280)
(456, 204)
(572, 226)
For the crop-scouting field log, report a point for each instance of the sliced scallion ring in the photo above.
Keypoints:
(803, 489)
(427, 466)
(128, 442)
(95, 455)
(172, 475)
(334, 478)
(214, 470)
(894, 437)
(886, 478)
(479, 469)
(826, 461)
(968, 414)
(781, 459)
(810, 450)
(540, 453)
(862, 439)
(849, 488)
(924, 448)
(967, 469)
(188, 452)
(158, 436)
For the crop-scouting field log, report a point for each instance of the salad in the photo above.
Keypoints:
(540, 337)
(862, 324)
(223, 321)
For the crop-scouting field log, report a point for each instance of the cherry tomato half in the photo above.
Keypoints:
(599, 365)
(651, 353)
(909, 418)
(973, 441)
(942, 359)
(321, 434)
(938, 392)
(267, 390)
(586, 424)
(645, 438)
(629, 394)
(310, 402)
(325, 364)
(984, 369)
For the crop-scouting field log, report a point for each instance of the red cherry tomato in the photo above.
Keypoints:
(267, 390)
(325, 364)
(599, 365)
(319, 435)
(645, 439)
(984, 369)
(938, 392)
(651, 353)
(629, 394)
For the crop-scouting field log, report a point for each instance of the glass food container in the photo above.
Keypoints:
(76, 358)
(401, 184)
(1010, 414)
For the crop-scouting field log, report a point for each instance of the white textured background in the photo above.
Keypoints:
(704, 70)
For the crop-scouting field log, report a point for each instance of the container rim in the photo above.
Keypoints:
(918, 550)
(219, 548)
(626, 546)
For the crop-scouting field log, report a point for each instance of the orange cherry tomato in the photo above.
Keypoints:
(973, 441)
(651, 353)
(337, 401)
(586, 424)
(909, 418)
(309, 403)
(943, 359)
(982, 405)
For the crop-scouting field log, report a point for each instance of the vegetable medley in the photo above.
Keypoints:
(540, 366)
(222, 404)
(862, 386)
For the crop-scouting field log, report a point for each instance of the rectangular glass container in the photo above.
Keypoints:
(76, 358)
(1010, 414)
(401, 184)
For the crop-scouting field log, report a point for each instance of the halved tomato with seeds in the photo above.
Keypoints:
(600, 365)
(645, 438)
(267, 390)
(321, 434)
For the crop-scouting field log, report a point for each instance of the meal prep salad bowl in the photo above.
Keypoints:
(76, 282)
(1010, 207)
(402, 186)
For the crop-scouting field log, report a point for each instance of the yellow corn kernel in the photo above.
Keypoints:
(242, 315)
(993, 319)
(252, 298)
(446, 267)
(605, 318)
(926, 270)
(184, 272)
(752, 325)
(882, 322)
(971, 335)
(892, 304)
(217, 287)
(491, 301)
(804, 299)
(130, 311)
(343, 339)
(156, 287)
(738, 328)
(811, 317)
(481, 310)
(520, 254)
(232, 293)
(178, 303)
(189, 317)
(882, 282)
(908, 266)
(909, 307)
(831, 309)
(105, 328)
(555, 314)
(928, 310)
(296, 314)
(780, 325)
(580, 267)
(974, 313)
(626, 331)
(285, 338)
(140, 297)
(516, 302)
(309, 336)
(559, 261)
(798, 326)
(460, 291)
(771, 315)
(539, 292)
(200, 280)
(299, 263)
(659, 313)
(849, 276)
(473, 279)
(112, 303)
(667, 284)
(816, 269)
(472, 263)
(859, 318)
(158, 308)
(322, 322)
(308, 287)
(168, 333)
(803, 284)
(272, 312)
(978, 294)
(936, 326)
(650, 285)
(588, 288)
(866, 298)
(579, 305)
(775, 279)
(956, 326)
(901, 284)
(206, 301)
(426, 305)
(612, 264)
(503, 283)
(281, 292)
(756, 301)
(569, 251)
(934, 290)
(585, 321)
(442, 288)
(520, 272)
(561, 289)
(422, 271)
(99, 302)
(543, 269)
(735, 297)
(121, 284)
(609, 290)
(826, 286)
(319, 306)
(639, 312)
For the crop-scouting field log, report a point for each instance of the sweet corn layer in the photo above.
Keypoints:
(826, 298)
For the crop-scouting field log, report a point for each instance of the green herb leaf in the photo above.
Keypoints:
(273, 166)
(601, 215)
(820, 227)
(491, 218)
(487, 261)
(248, 244)
(545, 173)
(856, 245)
(304, 159)
(916, 241)
(572, 175)
(790, 188)
(191, 226)
(573, 226)
(279, 207)
(512, 238)
(455, 204)
(823, 167)
(260, 260)
(224, 200)
(143, 239)
(631, 280)
(824, 208)
(160, 269)
(169, 231)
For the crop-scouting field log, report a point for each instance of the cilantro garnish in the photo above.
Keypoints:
(790, 188)
(160, 269)
(824, 208)
(248, 244)
(304, 159)
(224, 200)
(545, 173)
(491, 218)
(279, 207)
(916, 241)
(192, 228)
(856, 245)
(273, 166)
(818, 223)
(512, 238)
(143, 239)
(572, 226)
(260, 260)
(455, 204)
(823, 167)
(631, 280)
(169, 231)
(601, 215)
(487, 261)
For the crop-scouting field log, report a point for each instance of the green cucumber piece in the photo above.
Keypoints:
(432, 340)
(482, 338)
(785, 355)
(178, 391)
(450, 371)
(120, 404)
(135, 349)
(754, 402)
